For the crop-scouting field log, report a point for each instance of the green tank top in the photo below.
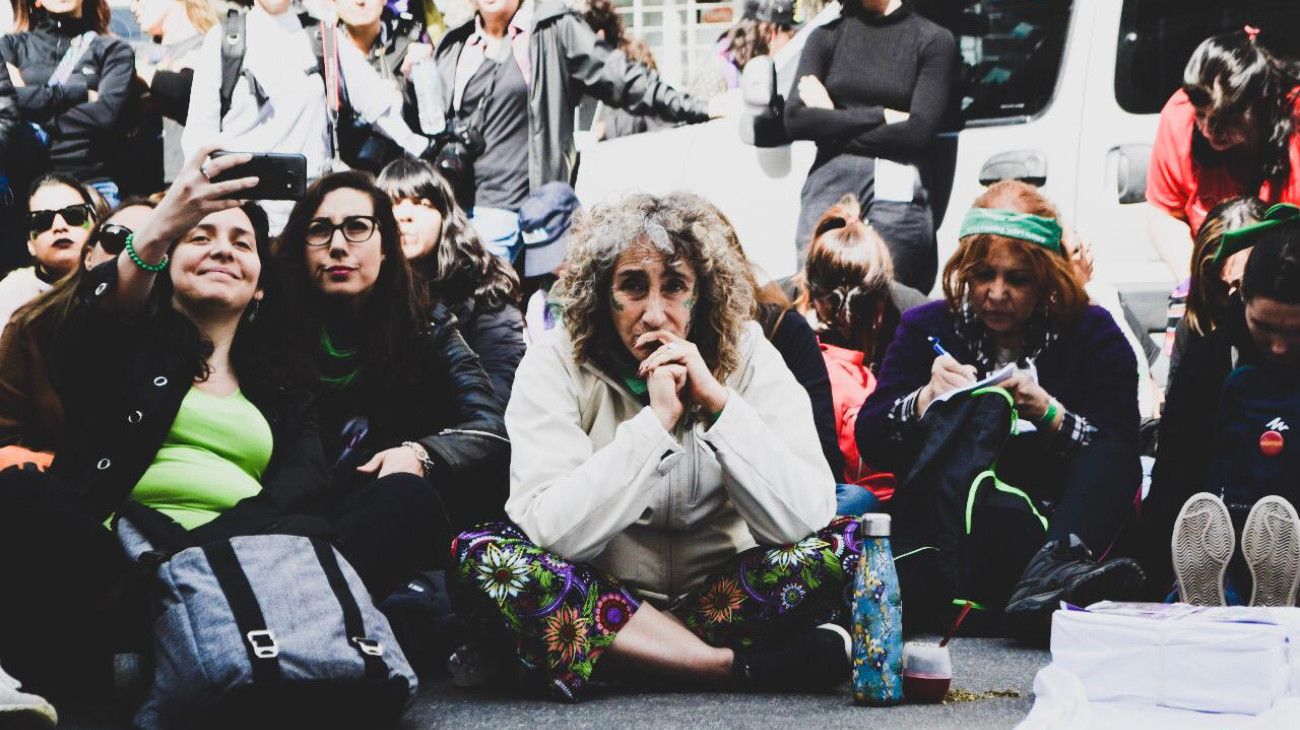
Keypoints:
(213, 456)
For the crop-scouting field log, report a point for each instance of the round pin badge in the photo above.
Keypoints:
(1271, 443)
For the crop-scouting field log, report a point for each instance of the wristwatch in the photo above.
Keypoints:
(422, 454)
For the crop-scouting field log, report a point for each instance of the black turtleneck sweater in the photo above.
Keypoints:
(868, 64)
(81, 130)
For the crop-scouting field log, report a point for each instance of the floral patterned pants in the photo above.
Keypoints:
(562, 616)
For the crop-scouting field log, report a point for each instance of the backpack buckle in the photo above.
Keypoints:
(366, 646)
(263, 643)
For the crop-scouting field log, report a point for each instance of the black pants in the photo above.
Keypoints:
(984, 544)
(72, 598)
(906, 227)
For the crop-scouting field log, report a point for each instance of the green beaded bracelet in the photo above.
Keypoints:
(135, 257)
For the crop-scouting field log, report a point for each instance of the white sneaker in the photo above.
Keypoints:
(1270, 541)
(15, 705)
(1202, 547)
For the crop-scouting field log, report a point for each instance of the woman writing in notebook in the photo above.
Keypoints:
(1012, 297)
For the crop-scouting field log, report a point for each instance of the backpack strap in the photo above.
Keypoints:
(233, 47)
(77, 50)
(371, 651)
(258, 640)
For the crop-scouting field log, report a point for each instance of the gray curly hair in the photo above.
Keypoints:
(681, 226)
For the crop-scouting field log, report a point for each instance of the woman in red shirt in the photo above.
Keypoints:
(1229, 131)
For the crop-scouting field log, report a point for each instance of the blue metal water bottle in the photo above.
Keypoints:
(877, 619)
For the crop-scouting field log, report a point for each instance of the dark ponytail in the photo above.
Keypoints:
(1273, 269)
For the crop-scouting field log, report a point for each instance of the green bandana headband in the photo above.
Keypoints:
(1045, 232)
(1282, 214)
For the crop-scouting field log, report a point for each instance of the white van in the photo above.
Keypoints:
(1062, 93)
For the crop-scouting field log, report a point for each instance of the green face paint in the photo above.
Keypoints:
(614, 302)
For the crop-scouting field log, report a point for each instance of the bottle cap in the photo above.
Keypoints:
(875, 525)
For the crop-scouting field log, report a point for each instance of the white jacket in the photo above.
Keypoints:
(595, 478)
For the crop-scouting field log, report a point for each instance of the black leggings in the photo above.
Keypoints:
(72, 598)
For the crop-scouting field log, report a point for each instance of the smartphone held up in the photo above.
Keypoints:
(279, 176)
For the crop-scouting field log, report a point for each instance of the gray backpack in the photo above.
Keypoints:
(267, 631)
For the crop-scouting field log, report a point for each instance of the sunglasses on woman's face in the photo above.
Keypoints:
(73, 215)
(111, 238)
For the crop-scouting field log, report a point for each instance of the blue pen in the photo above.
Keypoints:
(938, 348)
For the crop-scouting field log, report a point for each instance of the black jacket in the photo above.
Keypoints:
(122, 387)
(451, 410)
(82, 132)
(9, 120)
(794, 339)
(497, 335)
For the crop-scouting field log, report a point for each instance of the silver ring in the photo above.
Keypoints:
(203, 170)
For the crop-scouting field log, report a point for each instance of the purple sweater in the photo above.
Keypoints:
(1090, 369)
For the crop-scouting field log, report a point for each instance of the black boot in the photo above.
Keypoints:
(1064, 570)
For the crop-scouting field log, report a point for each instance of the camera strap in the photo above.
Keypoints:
(333, 88)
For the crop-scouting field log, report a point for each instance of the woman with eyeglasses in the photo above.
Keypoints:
(31, 413)
(450, 261)
(848, 287)
(1229, 131)
(404, 403)
(62, 214)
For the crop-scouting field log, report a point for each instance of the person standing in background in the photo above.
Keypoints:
(166, 64)
(511, 74)
(279, 102)
(73, 84)
(765, 26)
(871, 90)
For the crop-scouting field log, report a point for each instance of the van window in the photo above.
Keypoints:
(1156, 37)
(1011, 52)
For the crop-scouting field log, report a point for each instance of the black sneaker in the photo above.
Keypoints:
(1066, 571)
(816, 660)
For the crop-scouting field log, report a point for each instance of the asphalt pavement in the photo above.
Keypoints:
(980, 666)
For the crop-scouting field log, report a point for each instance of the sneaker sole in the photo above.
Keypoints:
(1202, 546)
(1270, 542)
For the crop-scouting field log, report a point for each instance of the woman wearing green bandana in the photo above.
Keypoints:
(1255, 344)
(1011, 297)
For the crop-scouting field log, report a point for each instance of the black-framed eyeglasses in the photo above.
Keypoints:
(355, 228)
(74, 215)
(111, 238)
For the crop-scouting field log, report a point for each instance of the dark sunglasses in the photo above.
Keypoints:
(111, 238)
(73, 215)
(356, 228)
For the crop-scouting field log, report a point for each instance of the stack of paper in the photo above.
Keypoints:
(1145, 659)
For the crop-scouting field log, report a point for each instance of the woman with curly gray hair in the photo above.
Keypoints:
(671, 506)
